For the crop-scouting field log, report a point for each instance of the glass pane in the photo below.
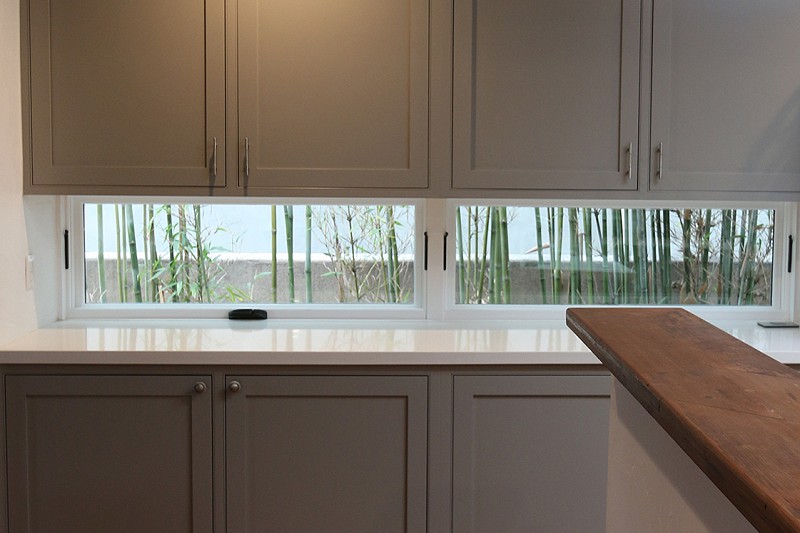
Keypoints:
(190, 253)
(560, 255)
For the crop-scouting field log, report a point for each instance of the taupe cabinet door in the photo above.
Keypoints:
(127, 93)
(530, 453)
(545, 94)
(333, 94)
(100, 453)
(318, 454)
(726, 95)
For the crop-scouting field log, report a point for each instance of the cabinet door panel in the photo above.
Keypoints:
(333, 95)
(98, 453)
(545, 94)
(530, 453)
(128, 93)
(726, 95)
(327, 453)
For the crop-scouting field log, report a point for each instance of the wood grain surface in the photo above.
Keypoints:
(732, 409)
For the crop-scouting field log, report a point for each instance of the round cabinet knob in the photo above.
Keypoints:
(234, 386)
(199, 387)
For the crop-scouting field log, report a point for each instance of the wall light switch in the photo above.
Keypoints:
(29, 273)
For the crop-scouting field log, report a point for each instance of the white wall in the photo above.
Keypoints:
(653, 486)
(27, 225)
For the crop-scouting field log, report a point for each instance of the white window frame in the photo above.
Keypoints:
(783, 283)
(74, 306)
(434, 288)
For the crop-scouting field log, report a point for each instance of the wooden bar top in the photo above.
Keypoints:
(732, 409)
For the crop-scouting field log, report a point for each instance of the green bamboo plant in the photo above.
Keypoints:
(364, 252)
(617, 256)
(576, 255)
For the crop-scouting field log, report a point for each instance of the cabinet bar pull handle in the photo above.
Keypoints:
(629, 151)
(234, 386)
(200, 387)
(246, 157)
(660, 170)
(214, 159)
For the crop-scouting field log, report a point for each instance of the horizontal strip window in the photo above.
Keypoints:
(148, 257)
(528, 256)
(190, 255)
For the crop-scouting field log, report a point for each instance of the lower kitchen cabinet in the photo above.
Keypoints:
(326, 453)
(530, 453)
(109, 453)
(294, 450)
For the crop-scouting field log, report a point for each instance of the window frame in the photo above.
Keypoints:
(73, 279)
(434, 288)
(783, 283)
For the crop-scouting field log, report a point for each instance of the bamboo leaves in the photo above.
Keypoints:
(172, 254)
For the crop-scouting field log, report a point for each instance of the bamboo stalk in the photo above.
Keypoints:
(395, 253)
(384, 256)
(660, 263)
(471, 265)
(392, 253)
(505, 257)
(574, 257)
(666, 220)
(137, 286)
(627, 255)
(635, 241)
(726, 258)
(122, 267)
(618, 247)
(352, 244)
(551, 229)
(155, 261)
(494, 259)
(652, 264)
(308, 272)
(101, 259)
(202, 263)
(288, 215)
(687, 288)
(483, 272)
(273, 209)
(601, 221)
(476, 267)
(588, 242)
(173, 267)
(747, 276)
(705, 249)
(460, 267)
(185, 254)
(640, 255)
(540, 256)
(145, 274)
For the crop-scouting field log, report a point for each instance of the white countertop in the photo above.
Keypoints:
(331, 342)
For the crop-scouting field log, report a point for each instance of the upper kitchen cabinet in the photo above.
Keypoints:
(725, 95)
(546, 94)
(333, 95)
(124, 96)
